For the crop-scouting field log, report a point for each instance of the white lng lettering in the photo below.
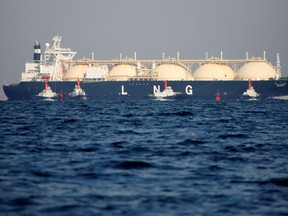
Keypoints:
(123, 90)
(189, 90)
(156, 89)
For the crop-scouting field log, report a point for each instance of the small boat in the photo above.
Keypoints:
(78, 92)
(250, 93)
(47, 93)
(167, 93)
(284, 97)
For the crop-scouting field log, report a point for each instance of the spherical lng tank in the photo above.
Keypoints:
(172, 72)
(214, 71)
(256, 71)
(122, 72)
(75, 72)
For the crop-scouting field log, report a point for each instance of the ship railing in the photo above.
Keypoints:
(165, 61)
(87, 80)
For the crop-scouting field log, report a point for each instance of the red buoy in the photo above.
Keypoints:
(218, 98)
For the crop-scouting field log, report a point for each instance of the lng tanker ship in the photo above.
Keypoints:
(57, 76)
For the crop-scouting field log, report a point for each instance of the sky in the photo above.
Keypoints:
(148, 27)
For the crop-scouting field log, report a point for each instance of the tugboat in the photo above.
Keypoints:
(284, 97)
(78, 92)
(47, 94)
(250, 93)
(167, 93)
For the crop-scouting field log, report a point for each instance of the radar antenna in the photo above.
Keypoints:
(57, 40)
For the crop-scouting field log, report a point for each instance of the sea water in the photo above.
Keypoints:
(144, 157)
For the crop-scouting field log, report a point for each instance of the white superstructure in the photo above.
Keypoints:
(51, 64)
(58, 64)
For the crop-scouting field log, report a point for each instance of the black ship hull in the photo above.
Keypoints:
(125, 90)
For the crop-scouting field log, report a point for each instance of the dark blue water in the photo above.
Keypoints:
(144, 158)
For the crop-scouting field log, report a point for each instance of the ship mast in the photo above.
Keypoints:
(278, 67)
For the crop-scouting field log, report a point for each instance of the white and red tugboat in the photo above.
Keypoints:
(78, 92)
(47, 93)
(250, 93)
(167, 93)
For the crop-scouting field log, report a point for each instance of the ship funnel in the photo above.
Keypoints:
(37, 52)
